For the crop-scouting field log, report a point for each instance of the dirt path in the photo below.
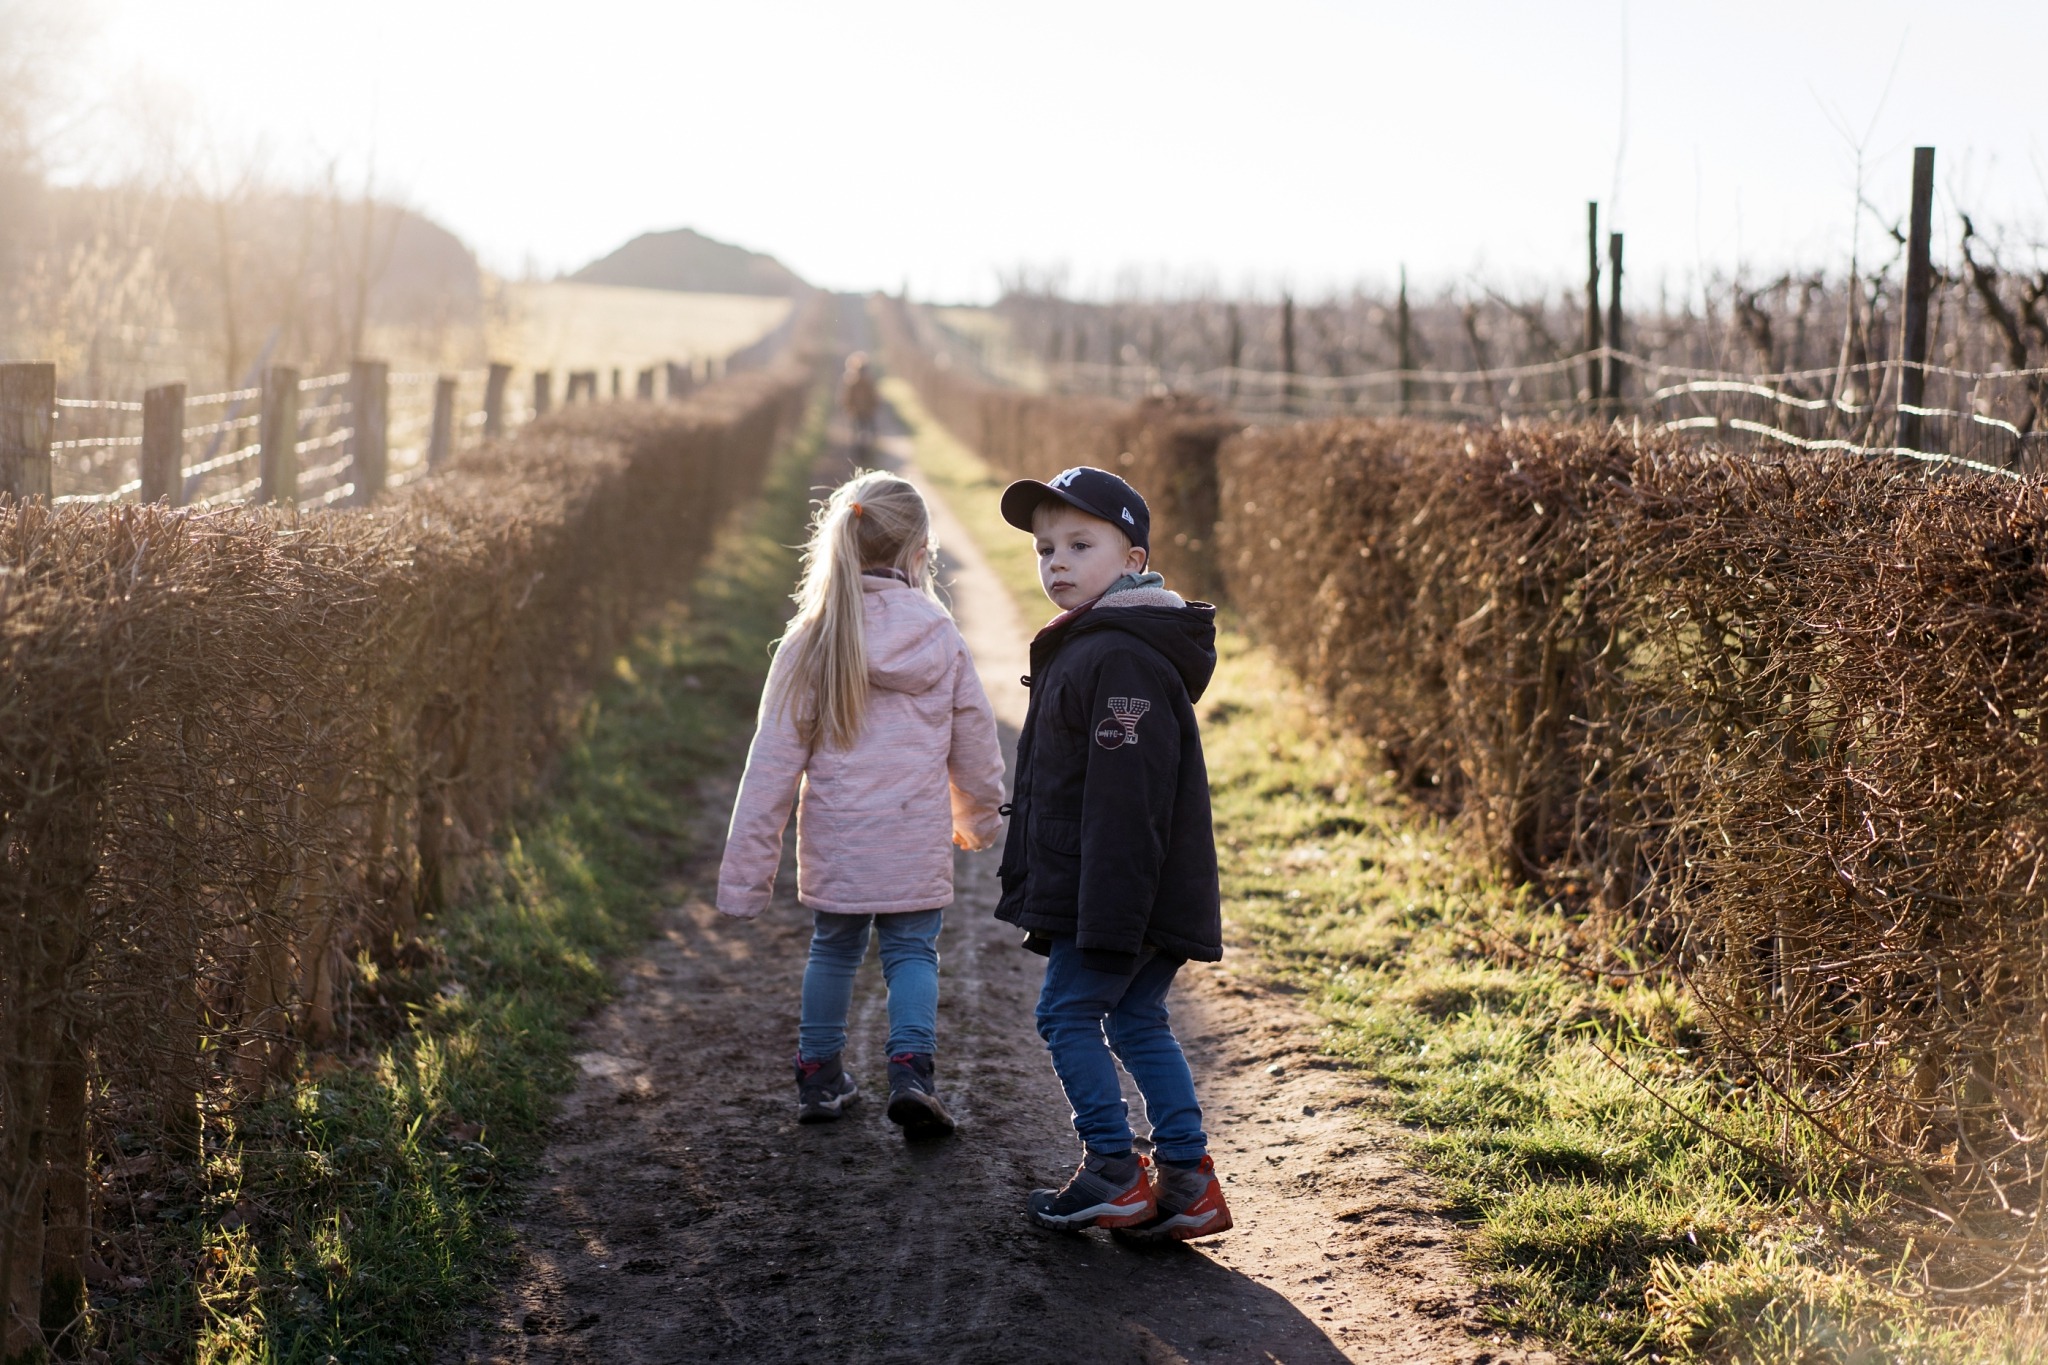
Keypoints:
(684, 1216)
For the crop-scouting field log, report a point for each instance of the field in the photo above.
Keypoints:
(992, 334)
(559, 325)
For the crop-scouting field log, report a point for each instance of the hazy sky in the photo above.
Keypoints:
(1282, 141)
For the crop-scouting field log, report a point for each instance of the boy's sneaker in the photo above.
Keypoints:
(1190, 1204)
(823, 1090)
(913, 1097)
(1106, 1192)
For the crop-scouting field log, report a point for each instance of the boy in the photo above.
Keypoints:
(1110, 865)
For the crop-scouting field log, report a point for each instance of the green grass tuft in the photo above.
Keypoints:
(974, 491)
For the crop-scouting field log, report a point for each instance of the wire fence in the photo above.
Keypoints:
(420, 418)
(1990, 420)
(95, 456)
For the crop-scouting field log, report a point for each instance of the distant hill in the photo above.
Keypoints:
(687, 260)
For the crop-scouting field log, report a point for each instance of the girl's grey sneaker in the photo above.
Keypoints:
(823, 1090)
(1106, 1192)
(914, 1099)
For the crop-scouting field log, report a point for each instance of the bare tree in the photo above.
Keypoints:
(37, 38)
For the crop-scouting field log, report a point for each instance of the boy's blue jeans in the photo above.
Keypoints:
(1085, 1016)
(910, 965)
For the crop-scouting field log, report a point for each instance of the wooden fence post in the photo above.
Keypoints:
(278, 429)
(163, 445)
(1919, 284)
(1593, 366)
(494, 400)
(369, 415)
(441, 435)
(617, 380)
(1236, 344)
(1404, 344)
(1287, 351)
(643, 387)
(678, 381)
(28, 406)
(1614, 365)
(543, 392)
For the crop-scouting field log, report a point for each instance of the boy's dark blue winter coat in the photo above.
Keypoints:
(1110, 835)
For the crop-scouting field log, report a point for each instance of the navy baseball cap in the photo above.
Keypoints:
(1097, 492)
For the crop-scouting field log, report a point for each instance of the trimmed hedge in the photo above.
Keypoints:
(245, 747)
(1775, 719)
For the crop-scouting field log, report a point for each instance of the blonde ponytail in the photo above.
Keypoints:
(873, 521)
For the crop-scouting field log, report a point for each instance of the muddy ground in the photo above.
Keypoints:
(682, 1214)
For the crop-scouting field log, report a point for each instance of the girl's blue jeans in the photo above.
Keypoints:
(1092, 1020)
(910, 966)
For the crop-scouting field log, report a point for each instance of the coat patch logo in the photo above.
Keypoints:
(1122, 726)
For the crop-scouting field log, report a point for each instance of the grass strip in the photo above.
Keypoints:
(1615, 1185)
(974, 491)
(1618, 1188)
(352, 1215)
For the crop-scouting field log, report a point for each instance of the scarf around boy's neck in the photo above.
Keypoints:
(1130, 582)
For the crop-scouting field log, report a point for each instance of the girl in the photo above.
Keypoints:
(874, 725)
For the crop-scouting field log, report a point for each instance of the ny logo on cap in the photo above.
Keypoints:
(1064, 477)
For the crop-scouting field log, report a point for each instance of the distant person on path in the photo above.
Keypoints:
(1110, 866)
(857, 393)
(874, 727)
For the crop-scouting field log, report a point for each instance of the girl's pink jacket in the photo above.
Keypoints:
(875, 823)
